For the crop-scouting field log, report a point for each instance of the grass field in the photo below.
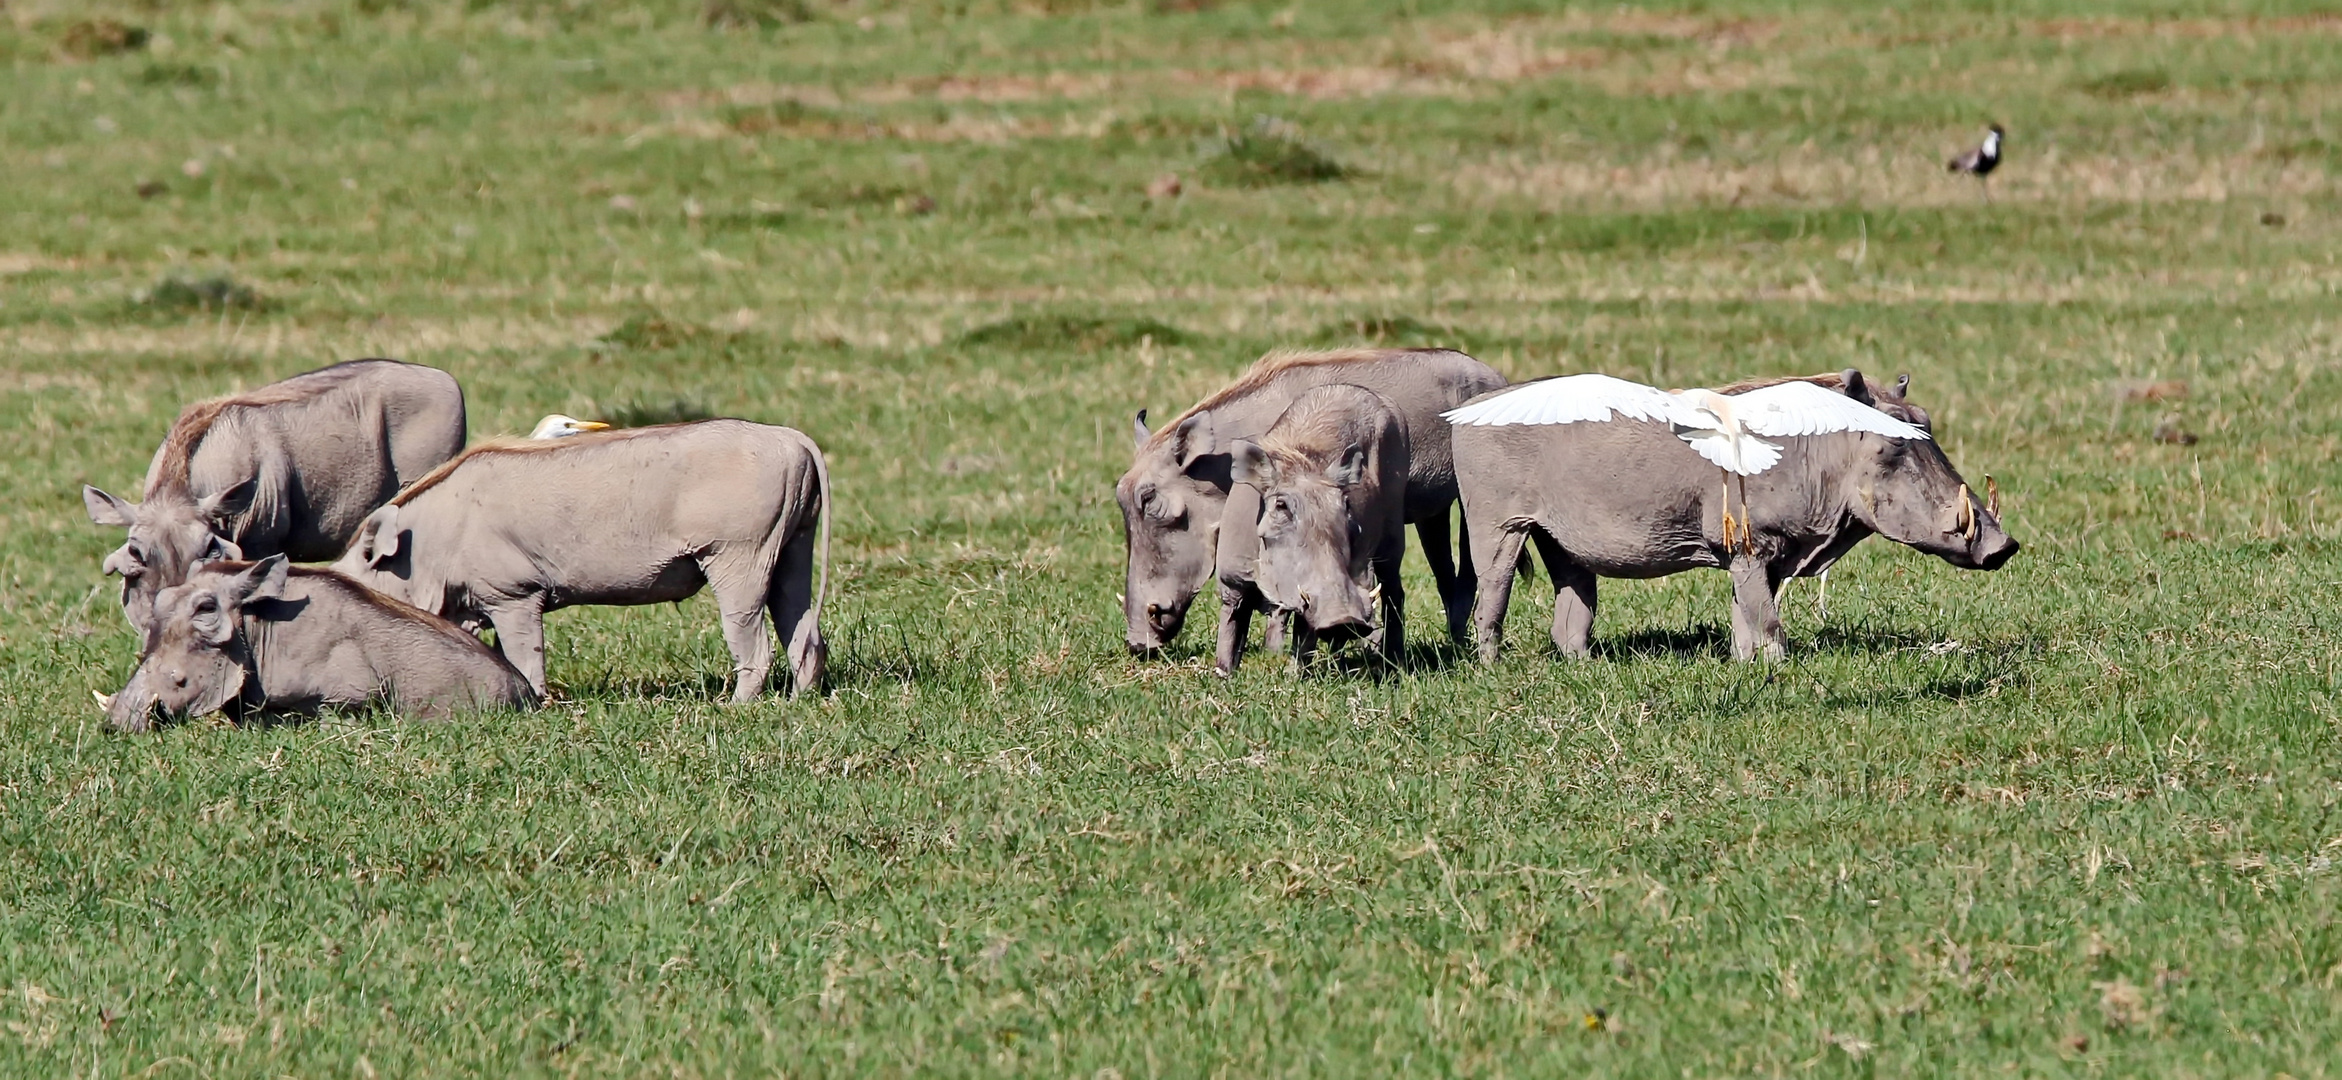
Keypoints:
(2077, 817)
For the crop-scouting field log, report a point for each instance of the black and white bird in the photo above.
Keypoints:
(1980, 162)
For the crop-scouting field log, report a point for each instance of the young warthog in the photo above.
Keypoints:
(1628, 498)
(1332, 478)
(278, 639)
(1173, 497)
(511, 530)
(290, 468)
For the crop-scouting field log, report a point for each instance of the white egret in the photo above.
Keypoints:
(557, 425)
(1726, 429)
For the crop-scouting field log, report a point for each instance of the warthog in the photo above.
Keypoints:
(278, 639)
(1174, 494)
(511, 530)
(1332, 480)
(1627, 498)
(290, 468)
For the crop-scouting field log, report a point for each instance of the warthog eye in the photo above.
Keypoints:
(1155, 505)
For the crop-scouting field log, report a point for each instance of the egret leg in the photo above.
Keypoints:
(1725, 480)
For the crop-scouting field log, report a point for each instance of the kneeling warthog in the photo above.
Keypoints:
(277, 639)
(1177, 488)
(1332, 481)
(1627, 498)
(290, 468)
(511, 530)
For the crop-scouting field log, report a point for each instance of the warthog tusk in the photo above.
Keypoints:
(1967, 518)
(1991, 495)
(1121, 601)
(104, 701)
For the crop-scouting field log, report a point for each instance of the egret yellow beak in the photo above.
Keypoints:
(590, 425)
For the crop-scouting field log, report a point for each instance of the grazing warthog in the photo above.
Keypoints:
(278, 639)
(1627, 498)
(511, 530)
(1174, 494)
(290, 468)
(1332, 480)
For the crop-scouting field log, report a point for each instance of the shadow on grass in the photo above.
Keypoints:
(1073, 332)
(680, 686)
(1389, 331)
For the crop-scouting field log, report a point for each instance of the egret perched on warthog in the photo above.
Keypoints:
(513, 529)
(557, 425)
(1611, 479)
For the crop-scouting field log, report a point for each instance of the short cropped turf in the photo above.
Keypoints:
(2076, 817)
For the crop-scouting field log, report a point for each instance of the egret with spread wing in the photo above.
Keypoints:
(1726, 429)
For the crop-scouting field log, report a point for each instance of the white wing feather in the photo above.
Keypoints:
(1755, 455)
(1802, 408)
(1570, 399)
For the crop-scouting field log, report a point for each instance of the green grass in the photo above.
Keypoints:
(2077, 817)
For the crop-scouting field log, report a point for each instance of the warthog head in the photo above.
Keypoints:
(196, 655)
(1314, 561)
(1909, 492)
(1171, 501)
(167, 534)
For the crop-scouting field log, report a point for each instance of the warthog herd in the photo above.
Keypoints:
(1290, 488)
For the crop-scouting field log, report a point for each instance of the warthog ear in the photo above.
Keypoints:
(378, 536)
(1138, 428)
(217, 547)
(1903, 385)
(1192, 439)
(220, 506)
(1349, 468)
(265, 580)
(1249, 464)
(1857, 387)
(105, 509)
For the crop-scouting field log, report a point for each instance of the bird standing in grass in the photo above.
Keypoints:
(557, 425)
(1980, 162)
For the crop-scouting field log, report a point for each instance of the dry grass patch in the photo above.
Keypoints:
(1910, 178)
(2250, 26)
(365, 337)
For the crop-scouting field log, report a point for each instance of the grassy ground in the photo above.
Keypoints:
(2076, 817)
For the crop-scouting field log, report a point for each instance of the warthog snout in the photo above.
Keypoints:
(1156, 626)
(1346, 614)
(1994, 549)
